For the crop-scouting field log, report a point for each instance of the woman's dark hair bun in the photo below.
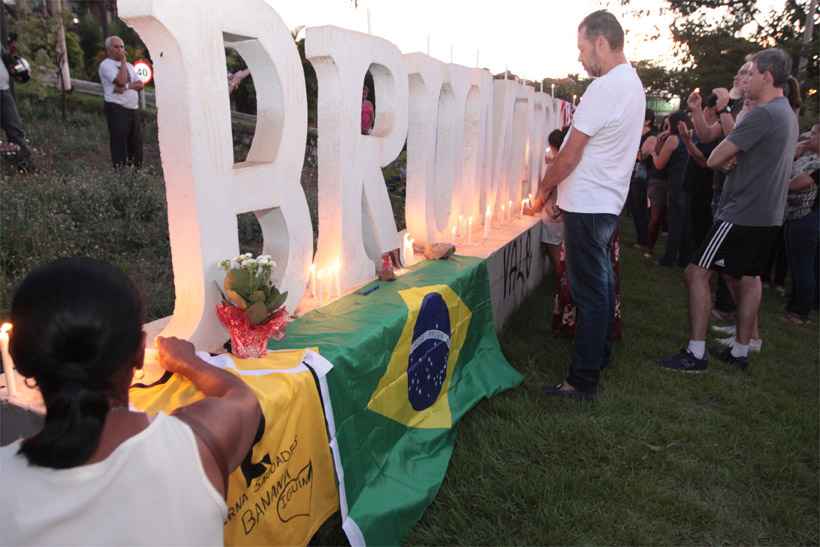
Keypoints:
(77, 325)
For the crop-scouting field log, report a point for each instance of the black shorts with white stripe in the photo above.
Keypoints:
(736, 250)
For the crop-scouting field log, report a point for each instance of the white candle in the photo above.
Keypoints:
(320, 286)
(312, 281)
(552, 90)
(505, 71)
(502, 216)
(453, 231)
(8, 364)
(509, 210)
(411, 257)
(337, 274)
(488, 219)
(470, 231)
(523, 205)
(461, 225)
(407, 247)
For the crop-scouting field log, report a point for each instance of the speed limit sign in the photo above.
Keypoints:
(144, 71)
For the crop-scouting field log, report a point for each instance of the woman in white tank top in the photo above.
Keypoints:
(99, 473)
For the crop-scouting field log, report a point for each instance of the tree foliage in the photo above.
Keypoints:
(712, 37)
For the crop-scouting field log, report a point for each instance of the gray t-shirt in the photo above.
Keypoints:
(755, 191)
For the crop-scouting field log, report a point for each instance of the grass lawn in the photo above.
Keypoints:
(662, 458)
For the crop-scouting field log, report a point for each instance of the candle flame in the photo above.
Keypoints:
(5, 328)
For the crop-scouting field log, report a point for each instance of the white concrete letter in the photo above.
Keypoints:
(205, 190)
(356, 223)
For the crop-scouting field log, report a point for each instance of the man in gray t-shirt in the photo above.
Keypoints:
(755, 191)
(749, 215)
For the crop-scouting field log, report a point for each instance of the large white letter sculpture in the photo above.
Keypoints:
(472, 89)
(448, 144)
(538, 140)
(356, 222)
(505, 95)
(205, 190)
(430, 141)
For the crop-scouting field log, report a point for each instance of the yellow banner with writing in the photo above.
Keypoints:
(286, 487)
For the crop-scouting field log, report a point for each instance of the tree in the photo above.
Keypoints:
(712, 37)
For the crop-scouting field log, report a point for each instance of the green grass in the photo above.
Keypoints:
(661, 458)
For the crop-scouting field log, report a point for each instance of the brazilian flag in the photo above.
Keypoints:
(410, 359)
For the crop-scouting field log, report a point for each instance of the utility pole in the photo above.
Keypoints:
(808, 32)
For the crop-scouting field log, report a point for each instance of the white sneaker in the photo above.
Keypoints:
(728, 329)
(754, 344)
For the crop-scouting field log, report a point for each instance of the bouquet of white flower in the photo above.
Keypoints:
(248, 286)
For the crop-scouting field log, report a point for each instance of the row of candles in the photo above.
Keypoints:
(325, 284)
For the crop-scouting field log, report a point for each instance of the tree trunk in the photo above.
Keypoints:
(55, 7)
(807, 36)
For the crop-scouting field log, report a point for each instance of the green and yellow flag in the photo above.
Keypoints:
(285, 489)
(410, 359)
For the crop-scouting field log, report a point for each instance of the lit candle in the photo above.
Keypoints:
(488, 219)
(461, 225)
(409, 255)
(454, 233)
(470, 231)
(574, 101)
(524, 203)
(337, 274)
(312, 281)
(502, 215)
(509, 210)
(320, 286)
(8, 364)
(552, 90)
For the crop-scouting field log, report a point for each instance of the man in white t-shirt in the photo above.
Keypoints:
(121, 87)
(591, 174)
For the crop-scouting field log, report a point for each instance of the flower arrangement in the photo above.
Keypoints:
(248, 287)
(252, 308)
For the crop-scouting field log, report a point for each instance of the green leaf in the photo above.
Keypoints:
(277, 302)
(257, 313)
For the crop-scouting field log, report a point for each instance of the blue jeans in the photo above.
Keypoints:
(588, 241)
(801, 249)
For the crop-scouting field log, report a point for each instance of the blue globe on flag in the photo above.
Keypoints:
(429, 352)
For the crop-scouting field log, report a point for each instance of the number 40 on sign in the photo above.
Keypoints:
(144, 71)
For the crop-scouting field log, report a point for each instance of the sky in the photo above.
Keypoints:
(533, 38)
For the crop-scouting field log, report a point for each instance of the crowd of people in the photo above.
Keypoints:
(727, 178)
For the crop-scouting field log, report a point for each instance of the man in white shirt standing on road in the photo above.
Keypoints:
(121, 87)
(591, 174)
